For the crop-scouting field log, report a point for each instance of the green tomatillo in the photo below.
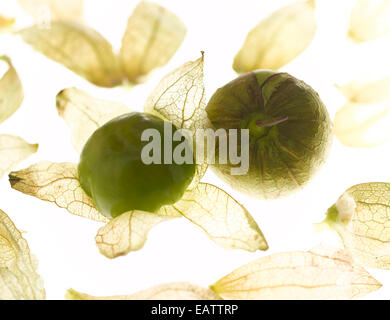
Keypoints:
(289, 131)
(113, 172)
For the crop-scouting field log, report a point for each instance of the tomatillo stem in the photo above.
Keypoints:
(270, 123)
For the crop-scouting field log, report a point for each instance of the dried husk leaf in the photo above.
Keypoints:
(12, 151)
(222, 218)
(361, 216)
(11, 91)
(58, 183)
(363, 125)
(363, 121)
(180, 98)
(152, 36)
(19, 279)
(79, 48)
(366, 91)
(69, 10)
(369, 20)
(278, 39)
(84, 114)
(321, 273)
(169, 291)
(127, 232)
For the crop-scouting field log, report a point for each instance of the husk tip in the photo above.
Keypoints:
(13, 179)
(34, 147)
(60, 105)
(72, 294)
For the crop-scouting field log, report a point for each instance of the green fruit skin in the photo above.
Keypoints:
(282, 157)
(112, 173)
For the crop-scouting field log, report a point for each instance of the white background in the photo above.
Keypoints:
(177, 250)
